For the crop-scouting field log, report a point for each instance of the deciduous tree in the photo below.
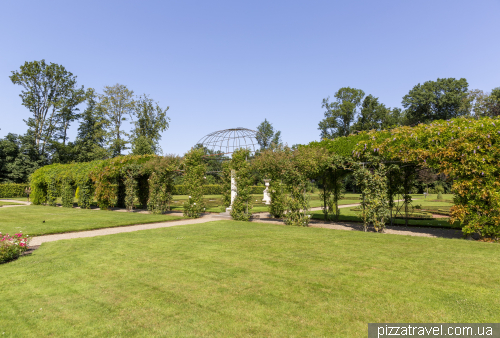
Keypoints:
(340, 115)
(51, 95)
(436, 100)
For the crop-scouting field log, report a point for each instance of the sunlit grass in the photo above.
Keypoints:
(227, 279)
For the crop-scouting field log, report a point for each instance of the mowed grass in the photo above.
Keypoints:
(237, 279)
(29, 219)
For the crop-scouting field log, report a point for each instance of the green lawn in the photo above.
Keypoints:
(29, 219)
(348, 215)
(236, 279)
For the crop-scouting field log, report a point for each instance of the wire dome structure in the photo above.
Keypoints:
(225, 142)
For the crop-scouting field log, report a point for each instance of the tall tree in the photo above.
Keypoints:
(49, 91)
(18, 158)
(266, 136)
(339, 115)
(90, 143)
(117, 103)
(436, 100)
(375, 115)
(152, 120)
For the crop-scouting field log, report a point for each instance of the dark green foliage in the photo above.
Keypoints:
(85, 194)
(436, 100)
(151, 121)
(375, 115)
(194, 173)
(9, 190)
(162, 172)
(91, 138)
(242, 204)
(373, 182)
(266, 136)
(340, 115)
(52, 192)
(18, 158)
(51, 95)
(142, 146)
(67, 194)
(277, 207)
(143, 190)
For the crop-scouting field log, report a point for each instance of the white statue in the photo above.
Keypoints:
(267, 197)
(234, 190)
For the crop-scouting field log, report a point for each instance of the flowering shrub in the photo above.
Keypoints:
(12, 247)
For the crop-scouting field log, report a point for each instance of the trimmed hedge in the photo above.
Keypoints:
(10, 190)
(214, 189)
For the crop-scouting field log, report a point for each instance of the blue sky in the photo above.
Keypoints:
(224, 64)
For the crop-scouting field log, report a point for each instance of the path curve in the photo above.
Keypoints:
(410, 231)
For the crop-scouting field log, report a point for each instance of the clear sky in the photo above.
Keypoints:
(225, 64)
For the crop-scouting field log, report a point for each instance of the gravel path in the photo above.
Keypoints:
(21, 203)
(262, 218)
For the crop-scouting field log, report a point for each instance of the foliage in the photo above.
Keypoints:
(340, 115)
(51, 95)
(194, 178)
(8, 190)
(466, 150)
(242, 204)
(480, 104)
(117, 103)
(277, 207)
(294, 168)
(375, 115)
(266, 136)
(373, 182)
(68, 194)
(151, 121)
(436, 100)
(130, 182)
(142, 146)
(91, 138)
(162, 171)
(18, 158)
(11, 247)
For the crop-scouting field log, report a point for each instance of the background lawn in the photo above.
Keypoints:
(29, 219)
(227, 279)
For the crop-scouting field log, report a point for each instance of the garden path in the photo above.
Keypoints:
(411, 231)
(21, 203)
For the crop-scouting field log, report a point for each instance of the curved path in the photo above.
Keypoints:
(411, 231)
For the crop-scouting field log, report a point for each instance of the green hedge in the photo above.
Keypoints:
(10, 190)
(214, 189)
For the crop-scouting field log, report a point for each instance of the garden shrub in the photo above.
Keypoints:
(11, 247)
(10, 190)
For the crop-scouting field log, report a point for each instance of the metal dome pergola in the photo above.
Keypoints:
(225, 142)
